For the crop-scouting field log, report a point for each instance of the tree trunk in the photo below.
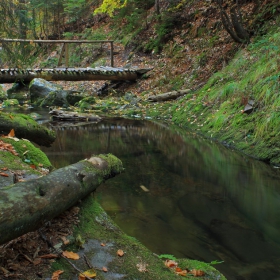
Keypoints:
(168, 95)
(26, 206)
(71, 74)
(26, 127)
(59, 115)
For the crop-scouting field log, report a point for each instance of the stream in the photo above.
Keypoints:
(184, 195)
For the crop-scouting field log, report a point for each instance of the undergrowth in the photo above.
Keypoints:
(219, 108)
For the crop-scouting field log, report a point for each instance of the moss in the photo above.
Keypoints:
(14, 163)
(29, 153)
(97, 227)
(10, 102)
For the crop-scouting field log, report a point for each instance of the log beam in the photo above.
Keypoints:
(70, 74)
(26, 206)
(168, 95)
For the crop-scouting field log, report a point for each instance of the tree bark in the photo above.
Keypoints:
(26, 206)
(26, 127)
(168, 95)
(59, 115)
(70, 74)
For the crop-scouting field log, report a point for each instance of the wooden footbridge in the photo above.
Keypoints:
(70, 74)
(67, 73)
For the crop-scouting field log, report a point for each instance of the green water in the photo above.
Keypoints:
(203, 202)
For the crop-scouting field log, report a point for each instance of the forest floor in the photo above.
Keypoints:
(182, 64)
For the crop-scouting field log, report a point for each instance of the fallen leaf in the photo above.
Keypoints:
(178, 269)
(104, 269)
(170, 263)
(65, 240)
(70, 255)
(4, 168)
(37, 261)
(142, 267)
(144, 188)
(56, 274)
(182, 273)
(5, 270)
(89, 273)
(4, 174)
(11, 133)
(102, 244)
(49, 256)
(197, 272)
(120, 253)
(11, 117)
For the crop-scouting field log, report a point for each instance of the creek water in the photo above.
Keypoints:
(204, 201)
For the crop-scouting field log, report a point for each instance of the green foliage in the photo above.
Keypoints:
(163, 30)
(109, 6)
(167, 256)
(217, 110)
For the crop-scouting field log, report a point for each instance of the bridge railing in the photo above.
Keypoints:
(65, 46)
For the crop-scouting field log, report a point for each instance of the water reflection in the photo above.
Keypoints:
(204, 201)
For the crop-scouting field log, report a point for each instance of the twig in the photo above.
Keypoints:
(87, 261)
(60, 254)
(90, 265)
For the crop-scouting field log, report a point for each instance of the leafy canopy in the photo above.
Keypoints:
(109, 6)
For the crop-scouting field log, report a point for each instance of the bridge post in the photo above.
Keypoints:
(112, 53)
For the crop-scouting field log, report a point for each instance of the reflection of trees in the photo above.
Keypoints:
(199, 191)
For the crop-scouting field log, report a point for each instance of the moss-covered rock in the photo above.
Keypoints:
(86, 103)
(28, 153)
(102, 239)
(10, 102)
(3, 94)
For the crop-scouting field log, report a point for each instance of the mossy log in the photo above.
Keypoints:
(59, 115)
(26, 206)
(71, 74)
(168, 95)
(25, 127)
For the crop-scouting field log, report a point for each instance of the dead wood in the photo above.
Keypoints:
(26, 206)
(168, 95)
(59, 115)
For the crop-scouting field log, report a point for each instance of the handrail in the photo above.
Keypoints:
(65, 42)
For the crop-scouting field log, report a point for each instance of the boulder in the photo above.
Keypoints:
(3, 94)
(18, 91)
(40, 88)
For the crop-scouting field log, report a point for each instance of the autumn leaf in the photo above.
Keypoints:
(11, 117)
(178, 269)
(65, 240)
(197, 272)
(170, 263)
(89, 273)
(182, 272)
(4, 168)
(11, 133)
(4, 174)
(144, 188)
(70, 255)
(49, 256)
(56, 274)
(37, 261)
(104, 269)
(120, 253)
(102, 244)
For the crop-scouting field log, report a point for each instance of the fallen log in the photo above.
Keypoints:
(25, 127)
(71, 74)
(26, 206)
(59, 115)
(168, 95)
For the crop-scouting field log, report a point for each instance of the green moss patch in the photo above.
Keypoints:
(28, 153)
(103, 239)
